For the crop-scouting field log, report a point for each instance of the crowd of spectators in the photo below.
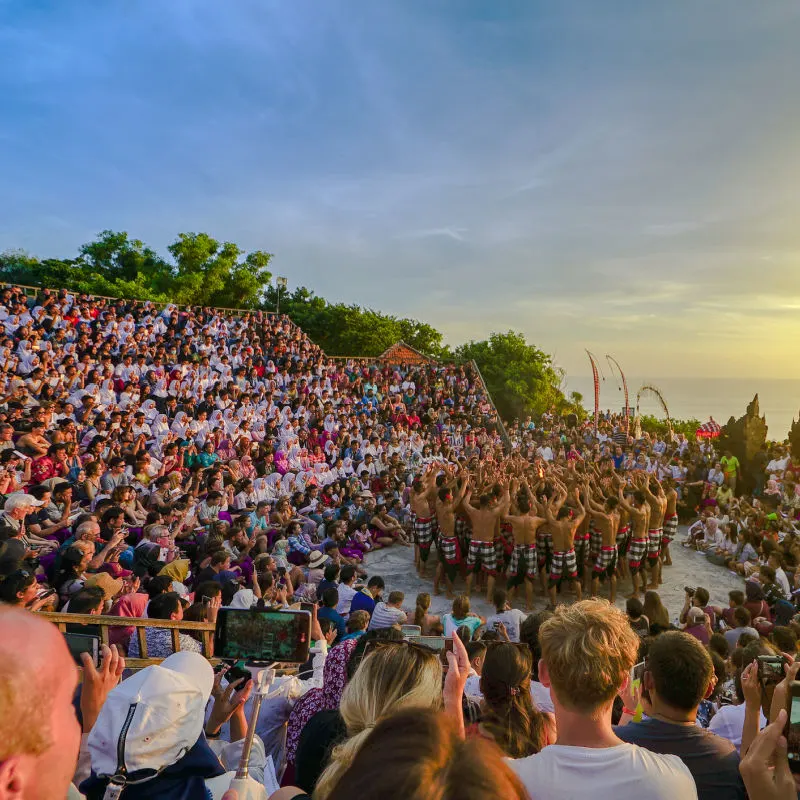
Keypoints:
(162, 463)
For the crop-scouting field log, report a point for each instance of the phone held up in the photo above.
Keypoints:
(792, 729)
(770, 670)
(256, 636)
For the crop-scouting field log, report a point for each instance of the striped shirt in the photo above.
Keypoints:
(385, 616)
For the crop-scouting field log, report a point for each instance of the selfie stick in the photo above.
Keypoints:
(262, 679)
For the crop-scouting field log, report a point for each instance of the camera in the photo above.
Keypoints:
(689, 590)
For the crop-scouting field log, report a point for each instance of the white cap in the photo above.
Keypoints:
(162, 709)
(20, 500)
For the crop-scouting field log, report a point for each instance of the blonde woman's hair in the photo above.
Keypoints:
(392, 677)
(423, 604)
(588, 648)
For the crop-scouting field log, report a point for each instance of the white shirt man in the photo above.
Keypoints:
(545, 452)
(588, 758)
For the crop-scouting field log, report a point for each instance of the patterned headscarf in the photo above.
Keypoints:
(334, 678)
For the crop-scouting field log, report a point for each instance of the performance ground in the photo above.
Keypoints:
(689, 568)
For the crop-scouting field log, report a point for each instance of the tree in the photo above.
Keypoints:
(351, 330)
(204, 272)
(521, 378)
(208, 273)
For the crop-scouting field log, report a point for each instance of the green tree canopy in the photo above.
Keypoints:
(203, 272)
(521, 378)
(351, 330)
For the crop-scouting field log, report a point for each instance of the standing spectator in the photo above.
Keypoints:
(587, 652)
(678, 675)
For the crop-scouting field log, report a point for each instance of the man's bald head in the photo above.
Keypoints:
(39, 733)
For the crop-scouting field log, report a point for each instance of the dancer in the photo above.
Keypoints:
(485, 518)
(524, 558)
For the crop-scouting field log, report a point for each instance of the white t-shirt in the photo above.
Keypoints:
(512, 619)
(728, 723)
(624, 772)
(542, 698)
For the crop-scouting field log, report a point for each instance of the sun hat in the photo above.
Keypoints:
(317, 559)
(111, 586)
(152, 719)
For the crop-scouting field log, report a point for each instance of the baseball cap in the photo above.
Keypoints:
(20, 500)
(152, 719)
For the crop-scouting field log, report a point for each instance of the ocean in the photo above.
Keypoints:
(701, 398)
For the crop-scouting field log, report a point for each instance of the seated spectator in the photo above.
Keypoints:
(159, 640)
(678, 674)
(365, 599)
(357, 624)
(21, 589)
(698, 625)
(741, 620)
(510, 618)
(390, 613)
(330, 599)
(346, 589)
(735, 600)
(461, 616)
(587, 651)
(420, 615)
(638, 621)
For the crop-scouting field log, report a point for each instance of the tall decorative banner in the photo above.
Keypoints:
(596, 377)
(612, 360)
(650, 389)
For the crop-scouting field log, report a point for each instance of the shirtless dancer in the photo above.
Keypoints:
(639, 513)
(658, 506)
(482, 551)
(606, 520)
(670, 520)
(562, 528)
(423, 493)
(524, 558)
(450, 556)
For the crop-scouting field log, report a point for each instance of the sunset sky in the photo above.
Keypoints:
(622, 176)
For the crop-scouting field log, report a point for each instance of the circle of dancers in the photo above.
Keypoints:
(528, 523)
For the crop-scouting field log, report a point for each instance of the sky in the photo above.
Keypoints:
(621, 176)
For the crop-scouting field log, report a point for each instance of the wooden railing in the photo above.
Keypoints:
(206, 630)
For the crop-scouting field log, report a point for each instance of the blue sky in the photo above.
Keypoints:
(622, 176)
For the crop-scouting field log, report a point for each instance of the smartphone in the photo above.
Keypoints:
(307, 607)
(637, 672)
(256, 635)
(206, 600)
(42, 593)
(81, 643)
(770, 670)
(792, 729)
(440, 644)
(235, 672)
